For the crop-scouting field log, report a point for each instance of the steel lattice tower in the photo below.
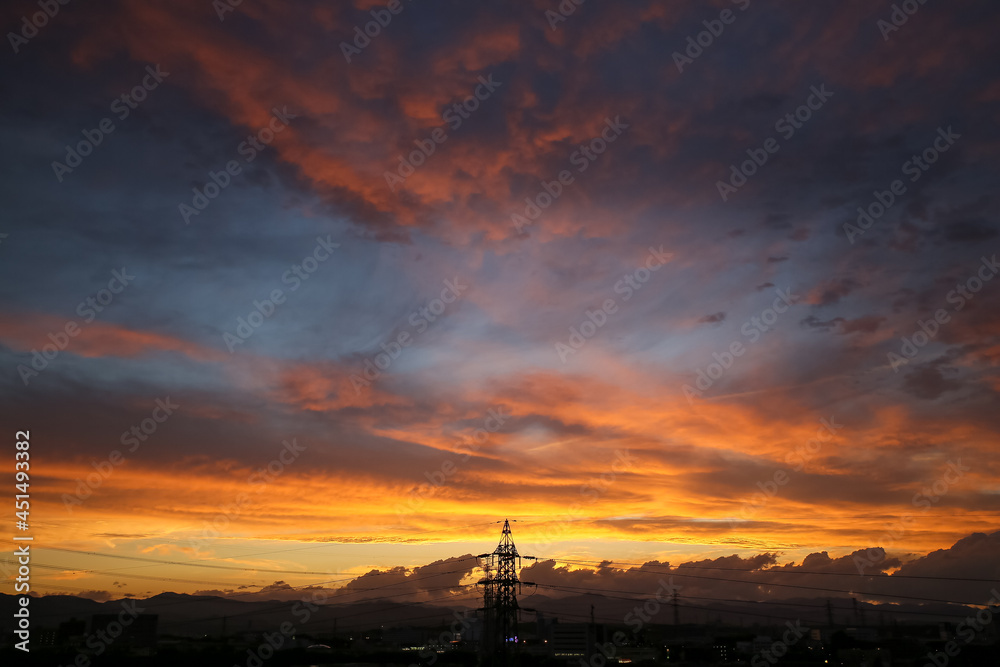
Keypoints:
(500, 589)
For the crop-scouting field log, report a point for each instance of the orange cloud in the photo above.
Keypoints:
(29, 331)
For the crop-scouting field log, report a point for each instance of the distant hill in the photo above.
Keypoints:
(194, 616)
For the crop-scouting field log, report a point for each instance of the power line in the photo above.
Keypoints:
(256, 553)
(881, 577)
(132, 576)
(159, 561)
(804, 587)
(679, 571)
(696, 597)
(187, 564)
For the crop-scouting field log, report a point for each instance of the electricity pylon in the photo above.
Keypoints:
(500, 589)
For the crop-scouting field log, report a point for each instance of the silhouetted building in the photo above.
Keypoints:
(47, 637)
(575, 640)
(71, 633)
(137, 636)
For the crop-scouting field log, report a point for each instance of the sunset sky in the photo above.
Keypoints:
(321, 302)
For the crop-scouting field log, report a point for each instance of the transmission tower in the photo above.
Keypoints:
(500, 589)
